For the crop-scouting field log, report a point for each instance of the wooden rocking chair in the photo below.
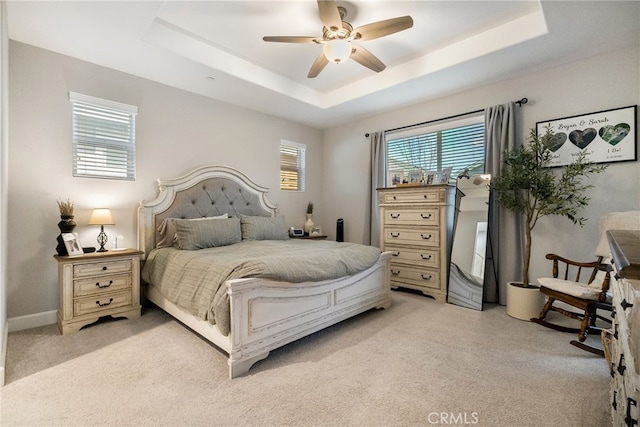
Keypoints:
(587, 297)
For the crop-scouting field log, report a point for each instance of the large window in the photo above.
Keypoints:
(292, 165)
(458, 144)
(104, 144)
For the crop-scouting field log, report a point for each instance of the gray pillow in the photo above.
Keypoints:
(263, 228)
(207, 233)
(166, 232)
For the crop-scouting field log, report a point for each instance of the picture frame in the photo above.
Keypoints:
(395, 177)
(430, 178)
(415, 176)
(605, 136)
(445, 174)
(315, 231)
(72, 243)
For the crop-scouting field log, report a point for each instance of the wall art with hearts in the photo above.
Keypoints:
(605, 136)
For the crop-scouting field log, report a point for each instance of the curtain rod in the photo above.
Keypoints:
(520, 103)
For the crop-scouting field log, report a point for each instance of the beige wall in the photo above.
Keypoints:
(599, 83)
(176, 131)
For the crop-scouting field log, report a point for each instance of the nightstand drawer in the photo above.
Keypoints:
(101, 303)
(101, 284)
(412, 217)
(106, 267)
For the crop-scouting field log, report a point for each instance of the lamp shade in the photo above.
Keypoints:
(337, 51)
(101, 216)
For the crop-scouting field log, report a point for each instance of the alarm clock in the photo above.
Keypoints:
(296, 232)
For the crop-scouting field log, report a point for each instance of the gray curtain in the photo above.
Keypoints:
(377, 180)
(504, 248)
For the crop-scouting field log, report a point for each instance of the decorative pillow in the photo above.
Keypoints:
(263, 228)
(207, 233)
(167, 230)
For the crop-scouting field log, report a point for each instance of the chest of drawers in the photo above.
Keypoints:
(96, 285)
(624, 347)
(416, 225)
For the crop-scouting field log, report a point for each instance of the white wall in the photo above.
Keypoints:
(599, 83)
(4, 122)
(176, 131)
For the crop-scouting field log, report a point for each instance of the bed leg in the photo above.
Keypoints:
(239, 368)
(384, 304)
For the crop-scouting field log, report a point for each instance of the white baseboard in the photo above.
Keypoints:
(3, 352)
(32, 321)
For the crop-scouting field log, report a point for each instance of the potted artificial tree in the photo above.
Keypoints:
(528, 187)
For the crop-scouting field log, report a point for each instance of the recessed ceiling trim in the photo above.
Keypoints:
(180, 42)
(500, 37)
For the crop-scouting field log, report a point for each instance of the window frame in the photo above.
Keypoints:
(298, 166)
(112, 129)
(434, 127)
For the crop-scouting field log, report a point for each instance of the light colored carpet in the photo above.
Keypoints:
(417, 363)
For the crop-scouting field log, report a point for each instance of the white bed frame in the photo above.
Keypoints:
(265, 315)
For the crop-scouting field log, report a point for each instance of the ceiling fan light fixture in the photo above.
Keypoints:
(337, 50)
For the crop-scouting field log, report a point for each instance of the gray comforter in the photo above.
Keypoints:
(193, 280)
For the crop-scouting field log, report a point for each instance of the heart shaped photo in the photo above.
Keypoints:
(556, 142)
(614, 134)
(582, 138)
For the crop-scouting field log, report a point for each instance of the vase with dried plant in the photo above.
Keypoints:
(308, 224)
(66, 224)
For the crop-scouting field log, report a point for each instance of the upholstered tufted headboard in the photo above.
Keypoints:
(203, 192)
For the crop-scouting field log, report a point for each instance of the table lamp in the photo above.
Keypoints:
(101, 217)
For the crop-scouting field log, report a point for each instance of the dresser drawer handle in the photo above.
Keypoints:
(104, 286)
(425, 257)
(394, 215)
(394, 234)
(395, 273)
(424, 196)
(625, 304)
(104, 268)
(427, 277)
(429, 236)
(428, 216)
(105, 304)
(614, 404)
(621, 367)
(628, 419)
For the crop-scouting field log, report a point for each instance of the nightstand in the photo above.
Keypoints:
(97, 284)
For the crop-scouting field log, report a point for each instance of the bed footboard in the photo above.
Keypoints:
(266, 315)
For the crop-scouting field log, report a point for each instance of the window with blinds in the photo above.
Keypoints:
(103, 138)
(458, 144)
(292, 164)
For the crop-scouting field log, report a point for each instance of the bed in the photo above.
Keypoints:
(262, 313)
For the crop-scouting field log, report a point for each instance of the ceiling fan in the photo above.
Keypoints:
(338, 35)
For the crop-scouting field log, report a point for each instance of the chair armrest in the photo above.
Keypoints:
(590, 264)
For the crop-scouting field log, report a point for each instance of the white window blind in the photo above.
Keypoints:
(458, 143)
(103, 138)
(292, 165)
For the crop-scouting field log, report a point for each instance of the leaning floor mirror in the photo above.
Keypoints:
(466, 272)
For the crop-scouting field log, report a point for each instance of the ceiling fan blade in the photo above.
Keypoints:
(318, 65)
(382, 28)
(292, 39)
(330, 15)
(363, 57)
